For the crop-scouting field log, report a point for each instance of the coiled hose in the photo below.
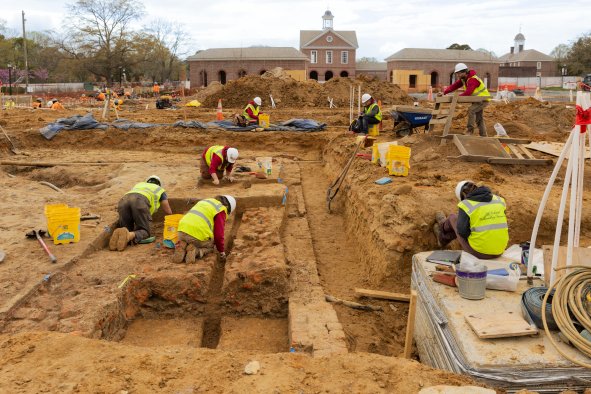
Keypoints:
(573, 292)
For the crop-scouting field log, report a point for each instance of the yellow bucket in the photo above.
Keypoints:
(171, 224)
(63, 223)
(264, 120)
(373, 130)
(399, 160)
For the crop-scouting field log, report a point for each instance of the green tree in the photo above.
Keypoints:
(578, 59)
(99, 34)
(462, 47)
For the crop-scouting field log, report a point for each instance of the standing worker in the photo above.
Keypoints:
(215, 160)
(135, 209)
(156, 89)
(473, 86)
(480, 225)
(202, 227)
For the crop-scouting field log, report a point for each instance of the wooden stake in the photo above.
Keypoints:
(410, 325)
(353, 305)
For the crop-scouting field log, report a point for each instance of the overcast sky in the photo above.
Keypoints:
(383, 26)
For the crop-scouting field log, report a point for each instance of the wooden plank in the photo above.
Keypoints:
(529, 162)
(384, 295)
(459, 145)
(499, 325)
(581, 256)
(462, 99)
(438, 121)
(525, 151)
(412, 109)
(552, 148)
(514, 150)
(410, 324)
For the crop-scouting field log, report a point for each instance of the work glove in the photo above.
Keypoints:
(229, 178)
(223, 256)
(216, 181)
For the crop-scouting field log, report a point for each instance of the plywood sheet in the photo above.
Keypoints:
(552, 148)
(499, 325)
(581, 256)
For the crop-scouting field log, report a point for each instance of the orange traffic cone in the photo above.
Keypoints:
(380, 124)
(219, 115)
(430, 95)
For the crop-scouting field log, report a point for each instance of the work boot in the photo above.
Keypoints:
(437, 232)
(440, 217)
(202, 252)
(114, 238)
(179, 252)
(123, 239)
(190, 256)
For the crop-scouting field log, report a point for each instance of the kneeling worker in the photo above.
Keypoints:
(372, 114)
(215, 160)
(252, 111)
(135, 209)
(202, 227)
(480, 225)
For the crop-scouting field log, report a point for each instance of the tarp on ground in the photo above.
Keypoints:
(76, 122)
(86, 122)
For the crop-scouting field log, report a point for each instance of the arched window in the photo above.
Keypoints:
(203, 77)
(328, 75)
(222, 77)
(241, 73)
(314, 75)
(344, 74)
(487, 80)
(434, 78)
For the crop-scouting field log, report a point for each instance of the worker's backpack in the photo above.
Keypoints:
(239, 120)
(355, 125)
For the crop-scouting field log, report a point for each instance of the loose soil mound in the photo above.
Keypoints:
(287, 91)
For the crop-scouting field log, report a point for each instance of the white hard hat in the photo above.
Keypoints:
(232, 202)
(459, 188)
(232, 155)
(460, 67)
(257, 101)
(365, 98)
(155, 177)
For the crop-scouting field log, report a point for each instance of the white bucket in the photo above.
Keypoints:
(500, 130)
(265, 164)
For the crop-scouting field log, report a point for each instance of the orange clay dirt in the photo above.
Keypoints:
(133, 322)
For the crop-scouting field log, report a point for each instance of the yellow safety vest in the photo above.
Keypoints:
(378, 115)
(489, 232)
(215, 150)
(151, 191)
(481, 90)
(255, 111)
(198, 222)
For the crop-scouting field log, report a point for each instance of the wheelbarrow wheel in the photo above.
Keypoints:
(404, 132)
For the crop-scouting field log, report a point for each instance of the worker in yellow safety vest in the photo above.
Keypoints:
(215, 160)
(371, 114)
(135, 209)
(480, 225)
(252, 111)
(473, 86)
(203, 227)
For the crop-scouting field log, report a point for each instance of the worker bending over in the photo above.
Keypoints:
(480, 225)
(38, 103)
(135, 209)
(215, 160)
(473, 86)
(56, 105)
(252, 111)
(202, 227)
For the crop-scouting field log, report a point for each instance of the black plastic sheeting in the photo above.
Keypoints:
(87, 122)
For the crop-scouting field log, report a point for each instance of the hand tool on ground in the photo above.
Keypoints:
(2, 255)
(127, 279)
(333, 189)
(39, 234)
(12, 147)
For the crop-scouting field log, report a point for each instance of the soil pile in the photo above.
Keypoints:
(286, 91)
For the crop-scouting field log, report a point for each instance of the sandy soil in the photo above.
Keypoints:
(50, 312)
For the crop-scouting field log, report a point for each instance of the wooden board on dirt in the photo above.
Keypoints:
(581, 256)
(499, 325)
(385, 295)
(552, 148)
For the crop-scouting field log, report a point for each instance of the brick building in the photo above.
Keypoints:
(378, 70)
(416, 69)
(331, 53)
(521, 62)
(226, 64)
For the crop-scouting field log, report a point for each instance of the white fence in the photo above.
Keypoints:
(566, 82)
(10, 102)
